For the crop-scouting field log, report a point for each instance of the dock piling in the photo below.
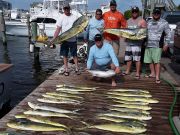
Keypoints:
(3, 28)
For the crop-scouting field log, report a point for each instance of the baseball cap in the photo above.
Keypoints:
(156, 11)
(98, 37)
(113, 3)
(135, 9)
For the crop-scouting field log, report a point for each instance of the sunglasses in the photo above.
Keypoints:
(98, 14)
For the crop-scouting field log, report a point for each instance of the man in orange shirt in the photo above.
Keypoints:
(113, 19)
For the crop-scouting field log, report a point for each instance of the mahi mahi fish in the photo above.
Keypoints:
(136, 116)
(133, 106)
(126, 110)
(76, 87)
(130, 90)
(38, 119)
(46, 114)
(34, 126)
(120, 120)
(102, 74)
(133, 34)
(120, 127)
(131, 103)
(130, 94)
(57, 101)
(78, 26)
(140, 99)
(49, 108)
(59, 98)
(74, 90)
(58, 94)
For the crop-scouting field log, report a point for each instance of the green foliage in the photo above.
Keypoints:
(178, 7)
(127, 14)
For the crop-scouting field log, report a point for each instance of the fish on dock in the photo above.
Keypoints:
(139, 99)
(46, 114)
(49, 108)
(56, 101)
(130, 94)
(38, 119)
(120, 127)
(34, 126)
(136, 116)
(76, 87)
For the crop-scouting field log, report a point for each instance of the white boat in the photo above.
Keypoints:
(46, 17)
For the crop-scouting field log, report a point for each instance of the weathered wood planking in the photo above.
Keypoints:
(159, 124)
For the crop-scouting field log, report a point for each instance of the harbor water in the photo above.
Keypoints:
(27, 72)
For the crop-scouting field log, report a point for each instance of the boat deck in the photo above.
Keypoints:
(94, 103)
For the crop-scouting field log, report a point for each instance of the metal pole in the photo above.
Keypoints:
(3, 27)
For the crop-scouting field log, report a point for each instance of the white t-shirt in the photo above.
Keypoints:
(66, 22)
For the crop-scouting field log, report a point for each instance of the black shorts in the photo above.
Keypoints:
(66, 46)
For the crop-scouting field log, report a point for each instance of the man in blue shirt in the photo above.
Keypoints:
(102, 56)
(95, 26)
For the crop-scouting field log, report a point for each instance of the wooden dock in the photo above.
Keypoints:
(95, 103)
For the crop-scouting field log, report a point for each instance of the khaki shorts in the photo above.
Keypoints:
(152, 55)
(115, 44)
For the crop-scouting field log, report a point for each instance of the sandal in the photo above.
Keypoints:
(149, 76)
(137, 77)
(124, 74)
(66, 73)
(158, 81)
(77, 72)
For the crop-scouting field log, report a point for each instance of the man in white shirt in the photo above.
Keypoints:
(64, 23)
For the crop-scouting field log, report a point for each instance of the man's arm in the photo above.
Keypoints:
(167, 37)
(56, 33)
(123, 22)
(90, 58)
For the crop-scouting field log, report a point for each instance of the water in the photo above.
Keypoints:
(27, 73)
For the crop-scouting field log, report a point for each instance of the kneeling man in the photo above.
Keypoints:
(102, 56)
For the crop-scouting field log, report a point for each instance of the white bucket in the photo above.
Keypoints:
(31, 48)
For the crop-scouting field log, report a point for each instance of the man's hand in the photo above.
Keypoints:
(165, 48)
(117, 70)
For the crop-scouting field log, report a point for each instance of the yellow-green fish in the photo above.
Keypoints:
(58, 94)
(38, 119)
(56, 101)
(130, 94)
(74, 90)
(121, 120)
(130, 90)
(133, 34)
(136, 116)
(49, 108)
(138, 99)
(130, 102)
(34, 127)
(59, 98)
(46, 114)
(120, 128)
(131, 106)
(78, 26)
(76, 87)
